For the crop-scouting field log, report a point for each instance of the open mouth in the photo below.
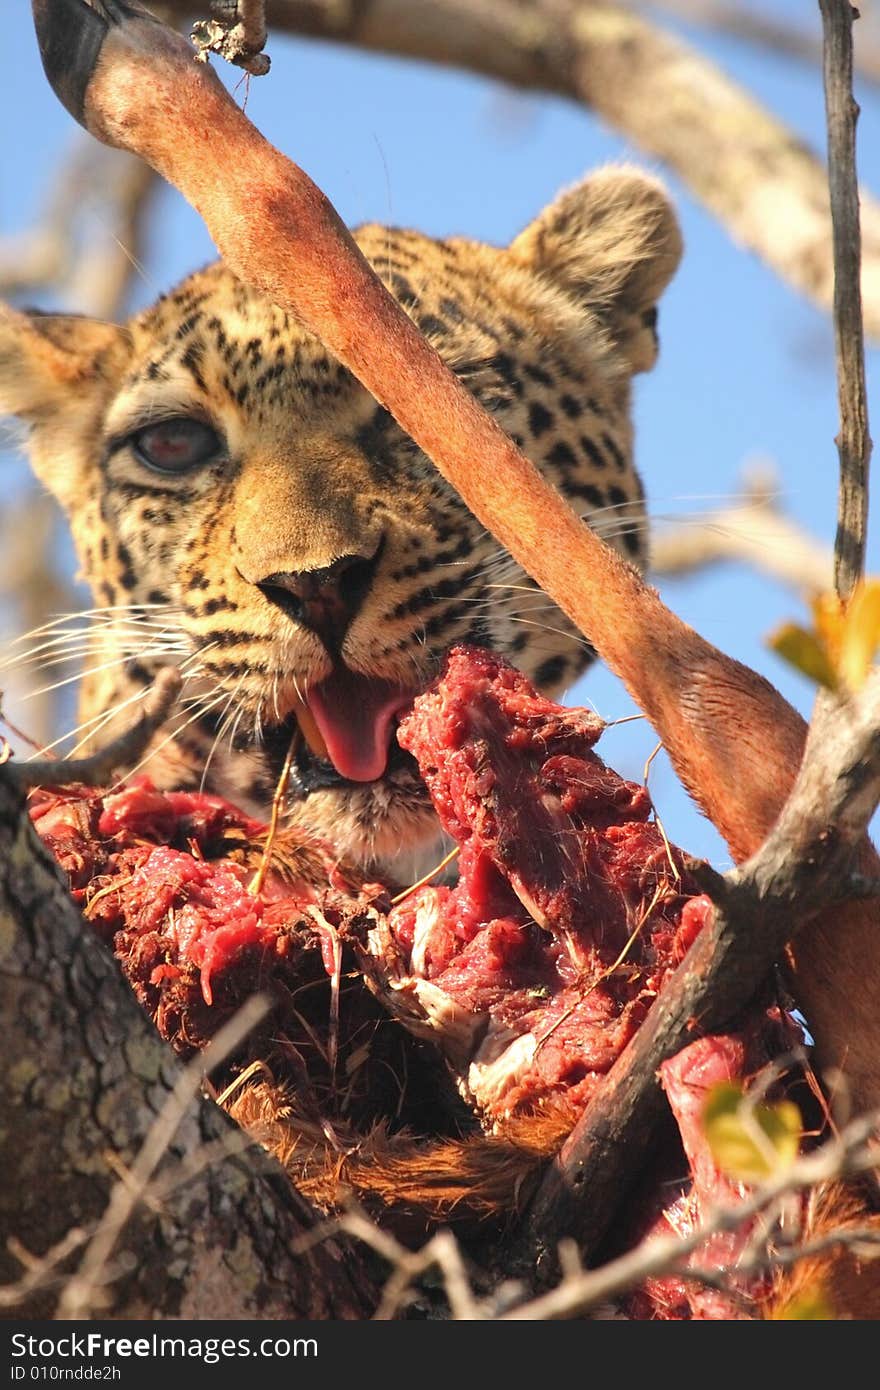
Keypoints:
(347, 722)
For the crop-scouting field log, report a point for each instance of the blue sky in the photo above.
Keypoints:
(747, 366)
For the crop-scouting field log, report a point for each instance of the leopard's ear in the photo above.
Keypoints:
(612, 243)
(57, 373)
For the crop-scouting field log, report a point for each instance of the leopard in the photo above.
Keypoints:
(243, 508)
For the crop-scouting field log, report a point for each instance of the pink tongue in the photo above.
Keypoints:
(353, 714)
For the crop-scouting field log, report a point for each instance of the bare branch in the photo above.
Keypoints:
(760, 27)
(765, 186)
(853, 441)
(752, 529)
(441, 1251)
(849, 1153)
(41, 1272)
(853, 1151)
(90, 262)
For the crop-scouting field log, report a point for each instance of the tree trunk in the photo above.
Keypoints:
(85, 1079)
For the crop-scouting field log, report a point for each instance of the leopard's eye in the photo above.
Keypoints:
(176, 445)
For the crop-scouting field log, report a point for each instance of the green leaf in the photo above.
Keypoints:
(750, 1142)
(804, 651)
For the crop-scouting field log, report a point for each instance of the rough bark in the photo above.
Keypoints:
(85, 1078)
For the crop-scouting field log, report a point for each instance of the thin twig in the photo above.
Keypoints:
(581, 1291)
(20, 735)
(853, 440)
(853, 1152)
(426, 878)
(441, 1252)
(42, 1270)
(255, 887)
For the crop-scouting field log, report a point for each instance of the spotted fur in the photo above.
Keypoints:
(314, 475)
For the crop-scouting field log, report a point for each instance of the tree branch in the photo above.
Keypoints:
(123, 752)
(751, 529)
(853, 441)
(91, 271)
(238, 34)
(759, 27)
(853, 1151)
(762, 183)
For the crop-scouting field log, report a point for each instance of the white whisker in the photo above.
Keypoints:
(69, 680)
(558, 631)
(129, 650)
(223, 724)
(175, 733)
(234, 729)
(105, 615)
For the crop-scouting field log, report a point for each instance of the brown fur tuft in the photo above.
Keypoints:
(437, 1180)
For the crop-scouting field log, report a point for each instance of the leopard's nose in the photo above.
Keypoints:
(326, 600)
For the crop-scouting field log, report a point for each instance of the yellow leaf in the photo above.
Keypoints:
(811, 1304)
(750, 1142)
(804, 651)
(829, 621)
(861, 634)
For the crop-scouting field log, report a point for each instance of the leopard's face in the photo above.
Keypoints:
(242, 505)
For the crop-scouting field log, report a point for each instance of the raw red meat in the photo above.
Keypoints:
(535, 970)
(166, 878)
(687, 1078)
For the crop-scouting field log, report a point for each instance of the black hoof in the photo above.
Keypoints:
(71, 34)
